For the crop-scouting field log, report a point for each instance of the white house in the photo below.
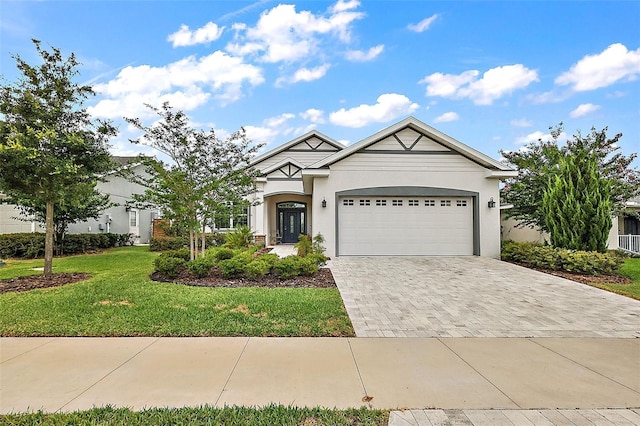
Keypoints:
(406, 190)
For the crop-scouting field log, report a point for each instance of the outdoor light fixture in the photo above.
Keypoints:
(324, 202)
(491, 203)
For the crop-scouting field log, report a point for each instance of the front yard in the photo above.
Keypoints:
(120, 300)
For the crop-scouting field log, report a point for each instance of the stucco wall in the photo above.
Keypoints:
(385, 170)
(9, 225)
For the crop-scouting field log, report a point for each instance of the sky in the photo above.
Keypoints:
(492, 74)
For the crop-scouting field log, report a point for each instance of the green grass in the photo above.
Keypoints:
(631, 269)
(120, 300)
(267, 416)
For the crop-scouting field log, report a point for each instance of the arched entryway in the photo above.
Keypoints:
(291, 221)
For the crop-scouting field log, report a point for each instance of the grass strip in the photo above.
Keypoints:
(267, 416)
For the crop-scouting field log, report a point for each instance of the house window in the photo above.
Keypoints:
(413, 203)
(461, 203)
(231, 216)
(347, 202)
(429, 203)
(365, 202)
(445, 203)
(381, 202)
(396, 203)
(133, 218)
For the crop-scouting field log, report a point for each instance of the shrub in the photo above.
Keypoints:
(167, 243)
(240, 237)
(270, 258)
(169, 266)
(182, 253)
(557, 259)
(318, 244)
(304, 245)
(292, 266)
(200, 267)
(257, 268)
(220, 253)
(318, 258)
(234, 266)
(31, 245)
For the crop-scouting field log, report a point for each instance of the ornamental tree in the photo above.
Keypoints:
(538, 164)
(48, 141)
(204, 176)
(576, 205)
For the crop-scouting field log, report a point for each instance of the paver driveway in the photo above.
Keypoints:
(474, 297)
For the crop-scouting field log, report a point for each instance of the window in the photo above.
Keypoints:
(461, 203)
(413, 203)
(396, 203)
(230, 216)
(381, 202)
(347, 202)
(133, 218)
(430, 203)
(445, 203)
(365, 202)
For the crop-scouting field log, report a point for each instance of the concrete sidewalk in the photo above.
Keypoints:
(69, 374)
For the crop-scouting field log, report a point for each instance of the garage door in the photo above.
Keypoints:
(405, 226)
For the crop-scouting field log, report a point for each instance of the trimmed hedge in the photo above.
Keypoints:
(557, 259)
(176, 243)
(31, 245)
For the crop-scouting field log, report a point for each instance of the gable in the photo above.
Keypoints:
(407, 140)
(306, 149)
(285, 171)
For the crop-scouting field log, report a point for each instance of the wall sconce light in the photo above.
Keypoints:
(324, 202)
(491, 203)
(127, 208)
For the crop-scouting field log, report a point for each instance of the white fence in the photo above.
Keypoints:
(629, 243)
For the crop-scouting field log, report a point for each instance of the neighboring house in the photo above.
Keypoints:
(406, 190)
(624, 233)
(118, 219)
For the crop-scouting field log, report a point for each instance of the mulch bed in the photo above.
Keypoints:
(584, 279)
(322, 279)
(39, 281)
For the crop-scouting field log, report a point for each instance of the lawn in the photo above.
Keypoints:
(630, 268)
(267, 416)
(121, 300)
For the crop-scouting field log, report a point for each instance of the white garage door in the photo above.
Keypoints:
(405, 226)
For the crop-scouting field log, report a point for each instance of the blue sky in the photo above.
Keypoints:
(493, 75)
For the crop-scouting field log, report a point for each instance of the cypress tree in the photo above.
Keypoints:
(576, 205)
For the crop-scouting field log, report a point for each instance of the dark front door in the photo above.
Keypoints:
(291, 225)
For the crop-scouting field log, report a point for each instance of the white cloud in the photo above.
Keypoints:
(284, 35)
(313, 115)
(185, 37)
(186, 84)
(613, 64)
(306, 74)
(424, 24)
(342, 6)
(362, 56)
(494, 84)
(388, 107)
(583, 109)
(446, 117)
(523, 122)
(271, 128)
(538, 135)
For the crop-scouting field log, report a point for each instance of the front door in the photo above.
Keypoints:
(291, 225)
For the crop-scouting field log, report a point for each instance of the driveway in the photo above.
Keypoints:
(474, 297)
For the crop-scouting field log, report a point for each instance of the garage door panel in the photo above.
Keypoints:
(413, 226)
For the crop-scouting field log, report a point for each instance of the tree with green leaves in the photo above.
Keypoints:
(537, 164)
(48, 142)
(205, 175)
(77, 203)
(576, 205)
